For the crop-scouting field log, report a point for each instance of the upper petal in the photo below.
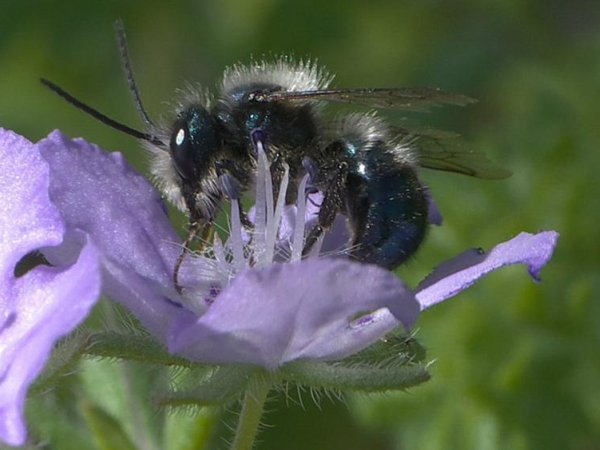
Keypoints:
(99, 193)
(283, 312)
(459, 273)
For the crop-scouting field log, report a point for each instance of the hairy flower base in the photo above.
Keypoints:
(90, 212)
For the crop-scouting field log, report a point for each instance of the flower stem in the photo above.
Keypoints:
(252, 408)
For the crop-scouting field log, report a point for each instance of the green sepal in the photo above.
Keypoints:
(62, 361)
(394, 349)
(133, 347)
(394, 363)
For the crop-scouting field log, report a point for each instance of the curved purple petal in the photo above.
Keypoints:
(50, 304)
(46, 303)
(284, 312)
(100, 194)
(459, 273)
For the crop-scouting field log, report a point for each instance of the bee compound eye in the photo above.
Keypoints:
(180, 147)
(194, 142)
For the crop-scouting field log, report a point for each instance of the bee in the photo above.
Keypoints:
(366, 169)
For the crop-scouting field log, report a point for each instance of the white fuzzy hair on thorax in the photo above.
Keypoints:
(294, 76)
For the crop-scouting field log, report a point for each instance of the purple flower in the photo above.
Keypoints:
(310, 304)
(46, 303)
(252, 302)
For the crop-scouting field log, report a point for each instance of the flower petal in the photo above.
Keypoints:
(284, 312)
(27, 218)
(459, 273)
(99, 193)
(44, 304)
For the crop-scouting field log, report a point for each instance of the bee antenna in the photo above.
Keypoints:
(99, 116)
(128, 70)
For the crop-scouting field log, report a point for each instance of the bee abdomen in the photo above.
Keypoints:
(387, 216)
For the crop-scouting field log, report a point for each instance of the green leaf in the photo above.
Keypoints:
(124, 389)
(191, 430)
(55, 417)
(106, 430)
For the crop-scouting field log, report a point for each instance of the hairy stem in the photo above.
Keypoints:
(252, 408)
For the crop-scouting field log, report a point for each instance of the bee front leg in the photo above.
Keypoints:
(205, 230)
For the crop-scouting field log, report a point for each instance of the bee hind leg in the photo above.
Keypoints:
(330, 206)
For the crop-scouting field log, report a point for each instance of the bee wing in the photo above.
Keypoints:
(446, 151)
(411, 99)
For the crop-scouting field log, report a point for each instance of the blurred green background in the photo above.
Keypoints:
(517, 364)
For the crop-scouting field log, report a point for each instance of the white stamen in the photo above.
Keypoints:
(268, 189)
(273, 225)
(235, 237)
(261, 205)
(219, 252)
(298, 237)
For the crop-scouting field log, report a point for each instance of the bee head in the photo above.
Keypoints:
(193, 149)
(193, 142)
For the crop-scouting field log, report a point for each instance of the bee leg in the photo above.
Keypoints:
(206, 230)
(330, 206)
(278, 170)
(246, 222)
(232, 188)
(310, 167)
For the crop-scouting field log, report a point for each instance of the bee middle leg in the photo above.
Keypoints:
(232, 189)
